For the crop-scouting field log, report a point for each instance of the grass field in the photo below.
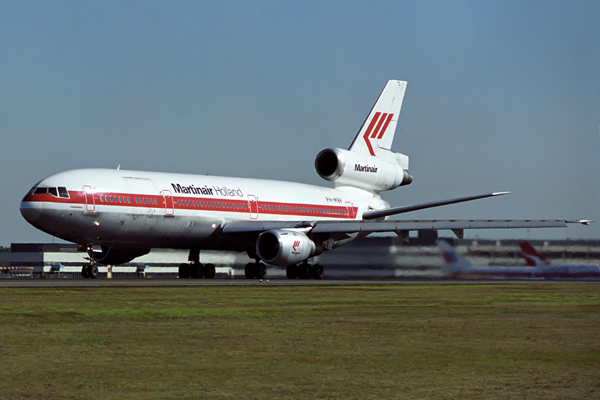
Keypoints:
(404, 342)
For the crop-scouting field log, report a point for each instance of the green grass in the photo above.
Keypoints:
(405, 342)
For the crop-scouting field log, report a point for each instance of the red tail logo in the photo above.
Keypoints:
(376, 129)
(296, 245)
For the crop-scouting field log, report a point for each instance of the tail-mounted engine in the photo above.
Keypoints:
(284, 247)
(375, 174)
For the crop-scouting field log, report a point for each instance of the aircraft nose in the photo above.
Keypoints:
(31, 210)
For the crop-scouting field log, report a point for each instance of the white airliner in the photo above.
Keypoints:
(119, 215)
(459, 267)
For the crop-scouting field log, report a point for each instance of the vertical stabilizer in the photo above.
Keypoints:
(531, 256)
(377, 132)
(452, 259)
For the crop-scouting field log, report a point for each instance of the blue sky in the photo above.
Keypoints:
(502, 95)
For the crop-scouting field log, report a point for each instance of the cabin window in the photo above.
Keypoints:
(111, 199)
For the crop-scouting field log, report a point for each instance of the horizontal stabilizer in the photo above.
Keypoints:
(422, 206)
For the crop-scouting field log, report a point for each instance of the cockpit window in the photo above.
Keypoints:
(62, 192)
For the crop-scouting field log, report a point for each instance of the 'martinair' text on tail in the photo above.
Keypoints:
(369, 164)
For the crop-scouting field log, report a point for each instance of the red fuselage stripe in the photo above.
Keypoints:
(198, 203)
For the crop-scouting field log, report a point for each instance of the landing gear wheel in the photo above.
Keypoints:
(197, 270)
(316, 271)
(184, 271)
(304, 271)
(250, 270)
(93, 271)
(261, 270)
(209, 271)
(85, 272)
(291, 272)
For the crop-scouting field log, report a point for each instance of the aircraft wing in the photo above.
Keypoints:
(398, 226)
(373, 222)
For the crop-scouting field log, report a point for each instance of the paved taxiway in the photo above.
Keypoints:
(95, 283)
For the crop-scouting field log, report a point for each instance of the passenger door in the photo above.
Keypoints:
(169, 205)
(90, 202)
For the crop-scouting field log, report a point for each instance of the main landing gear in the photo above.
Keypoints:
(304, 271)
(197, 270)
(89, 271)
(255, 270)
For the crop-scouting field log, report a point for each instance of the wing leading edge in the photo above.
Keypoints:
(399, 226)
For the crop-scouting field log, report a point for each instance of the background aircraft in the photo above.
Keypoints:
(548, 270)
(459, 267)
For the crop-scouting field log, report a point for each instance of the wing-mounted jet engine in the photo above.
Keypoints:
(288, 248)
(284, 247)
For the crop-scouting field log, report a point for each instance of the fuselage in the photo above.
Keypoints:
(152, 209)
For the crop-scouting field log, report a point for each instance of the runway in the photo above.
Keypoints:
(95, 283)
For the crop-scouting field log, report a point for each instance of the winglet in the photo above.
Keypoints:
(579, 221)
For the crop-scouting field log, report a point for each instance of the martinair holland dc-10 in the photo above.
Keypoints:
(119, 215)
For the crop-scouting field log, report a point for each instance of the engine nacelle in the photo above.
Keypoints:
(109, 255)
(375, 174)
(284, 247)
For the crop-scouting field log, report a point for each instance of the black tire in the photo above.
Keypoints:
(316, 271)
(261, 270)
(291, 272)
(304, 271)
(85, 271)
(197, 270)
(184, 271)
(250, 270)
(93, 271)
(209, 271)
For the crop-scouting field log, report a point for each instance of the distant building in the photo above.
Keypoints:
(372, 257)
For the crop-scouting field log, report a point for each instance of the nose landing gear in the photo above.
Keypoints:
(89, 271)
